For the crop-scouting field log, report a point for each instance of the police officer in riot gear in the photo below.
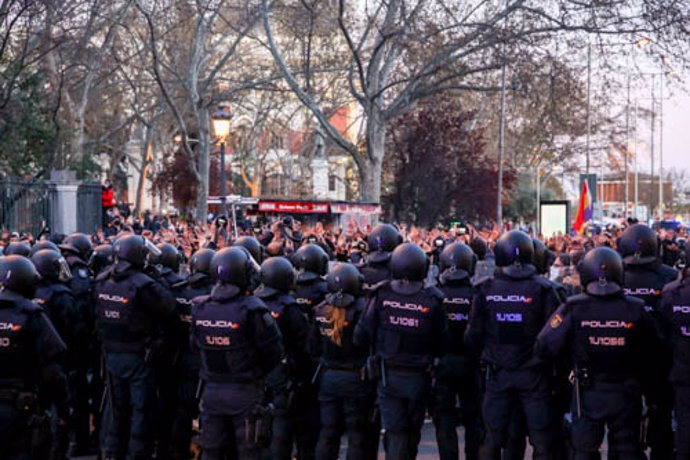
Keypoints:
(457, 374)
(166, 265)
(17, 248)
(187, 365)
(606, 336)
(382, 240)
(163, 267)
(508, 313)
(645, 278)
(53, 295)
(133, 313)
(675, 311)
(345, 396)
(30, 363)
(295, 372)
(77, 249)
(406, 324)
(239, 344)
(43, 244)
(252, 245)
(101, 258)
(311, 262)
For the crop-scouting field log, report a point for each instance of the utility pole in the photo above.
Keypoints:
(651, 147)
(501, 145)
(661, 149)
(627, 150)
(589, 101)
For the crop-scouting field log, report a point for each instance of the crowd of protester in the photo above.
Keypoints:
(348, 267)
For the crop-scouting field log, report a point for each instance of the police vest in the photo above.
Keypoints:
(457, 301)
(17, 364)
(607, 336)
(45, 293)
(405, 334)
(345, 356)
(514, 317)
(184, 299)
(80, 284)
(223, 333)
(123, 325)
(308, 295)
(676, 305)
(646, 283)
(373, 275)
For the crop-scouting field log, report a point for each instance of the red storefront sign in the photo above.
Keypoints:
(362, 209)
(298, 207)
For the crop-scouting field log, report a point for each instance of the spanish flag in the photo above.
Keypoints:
(585, 210)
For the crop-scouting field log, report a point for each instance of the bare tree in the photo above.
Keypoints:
(398, 53)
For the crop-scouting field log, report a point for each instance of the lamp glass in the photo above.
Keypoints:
(221, 123)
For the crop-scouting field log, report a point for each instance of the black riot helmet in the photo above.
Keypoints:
(277, 275)
(382, 240)
(201, 261)
(234, 266)
(456, 263)
(17, 248)
(18, 274)
(638, 245)
(311, 262)
(252, 245)
(514, 247)
(101, 257)
(78, 244)
(51, 265)
(134, 249)
(169, 257)
(43, 244)
(409, 263)
(344, 284)
(543, 257)
(601, 272)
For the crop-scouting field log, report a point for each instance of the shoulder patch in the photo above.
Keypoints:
(556, 321)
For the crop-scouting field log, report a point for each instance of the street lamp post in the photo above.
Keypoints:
(221, 128)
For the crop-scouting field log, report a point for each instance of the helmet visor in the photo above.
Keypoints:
(64, 273)
(151, 248)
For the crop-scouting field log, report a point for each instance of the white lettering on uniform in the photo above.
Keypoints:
(607, 341)
(402, 321)
(184, 301)
(612, 324)
(508, 298)
(458, 317)
(509, 317)
(684, 309)
(457, 301)
(112, 314)
(222, 341)
(405, 306)
(9, 327)
(642, 291)
(685, 331)
(113, 298)
(217, 323)
(5, 342)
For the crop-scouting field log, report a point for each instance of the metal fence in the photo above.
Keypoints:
(26, 206)
(89, 210)
(30, 206)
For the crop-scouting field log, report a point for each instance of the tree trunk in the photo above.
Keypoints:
(370, 175)
(144, 169)
(204, 166)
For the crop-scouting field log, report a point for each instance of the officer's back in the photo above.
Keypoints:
(133, 314)
(30, 360)
(239, 344)
(312, 264)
